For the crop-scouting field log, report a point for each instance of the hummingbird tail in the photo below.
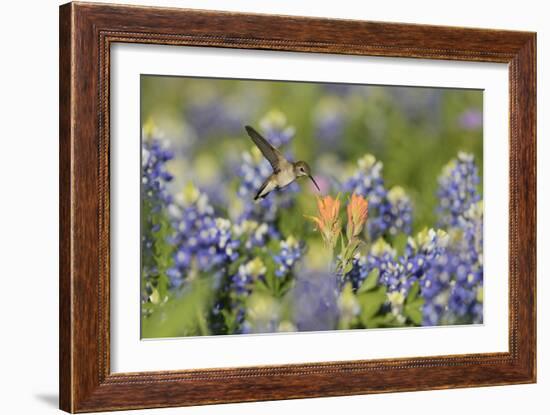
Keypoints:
(261, 194)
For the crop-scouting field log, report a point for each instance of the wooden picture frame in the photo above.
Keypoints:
(87, 32)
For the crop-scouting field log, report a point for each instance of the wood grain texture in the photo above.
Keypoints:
(86, 33)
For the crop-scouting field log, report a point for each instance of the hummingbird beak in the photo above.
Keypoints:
(314, 182)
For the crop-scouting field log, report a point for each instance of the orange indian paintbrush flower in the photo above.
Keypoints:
(328, 220)
(358, 208)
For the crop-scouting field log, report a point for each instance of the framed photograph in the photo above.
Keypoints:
(258, 207)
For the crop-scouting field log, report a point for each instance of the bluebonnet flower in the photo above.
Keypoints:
(247, 274)
(358, 273)
(461, 211)
(155, 198)
(397, 213)
(154, 175)
(389, 212)
(290, 253)
(424, 261)
(329, 121)
(467, 293)
(460, 299)
(428, 259)
(452, 285)
(457, 189)
(199, 237)
(368, 181)
(315, 296)
(450, 290)
(252, 234)
(393, 273)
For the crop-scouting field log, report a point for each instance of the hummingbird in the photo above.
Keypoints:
(284, 171)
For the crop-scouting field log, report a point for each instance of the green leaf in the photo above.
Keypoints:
(370, 282)
(400, 243)
(183, 315)
(371, 302)
(234, 266)
(414, 311)
(347, 268)
(387, 320)
(350, 250)
(413, 292)
(413, 305)
(230, 319)
(342, 247)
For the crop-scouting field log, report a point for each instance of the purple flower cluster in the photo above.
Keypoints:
(315, 302)
(154, 155)
(246, 275)
(389, 212)
(155, 197)
(290, 252)
(358, 273)
(461, 210)
(399, 274)
(429, 256)
(467, 293)
(449, 273)
(199, 238)
(457, 189)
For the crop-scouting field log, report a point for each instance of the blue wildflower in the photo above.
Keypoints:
(389, 212)
(315, 296)
(200, 238)
(155, 199)
(290, 253)
(468, 265)
(154, 175)
(252, 233)
(397, 214)
(457, 189)
(358, 273)
(247, 274)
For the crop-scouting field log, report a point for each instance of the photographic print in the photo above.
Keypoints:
(278, 206)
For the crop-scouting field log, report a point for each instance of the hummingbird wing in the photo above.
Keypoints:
(274, 156)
